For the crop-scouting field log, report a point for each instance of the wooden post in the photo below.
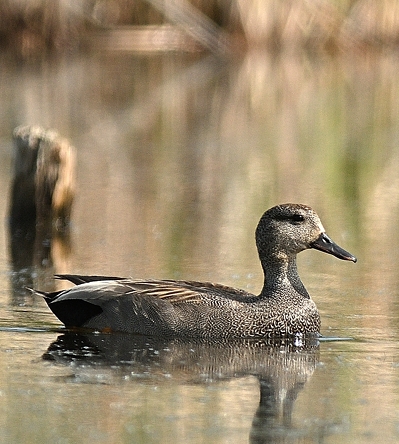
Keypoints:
(43, 184)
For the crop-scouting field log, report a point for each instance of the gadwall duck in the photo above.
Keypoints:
(192, 309)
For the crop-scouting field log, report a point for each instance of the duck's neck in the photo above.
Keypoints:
(281, 276)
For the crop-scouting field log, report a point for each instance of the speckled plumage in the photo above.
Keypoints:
(204, 310)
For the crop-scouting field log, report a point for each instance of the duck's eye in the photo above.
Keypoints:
(297, 218)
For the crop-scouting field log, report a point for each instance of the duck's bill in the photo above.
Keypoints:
(324, 243)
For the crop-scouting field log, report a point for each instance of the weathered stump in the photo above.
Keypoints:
(43, 184)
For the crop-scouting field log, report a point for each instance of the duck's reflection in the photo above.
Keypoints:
(282, 368)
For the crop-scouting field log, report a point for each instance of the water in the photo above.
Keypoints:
(178, 156)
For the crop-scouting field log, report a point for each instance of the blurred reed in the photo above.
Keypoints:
(32, 27)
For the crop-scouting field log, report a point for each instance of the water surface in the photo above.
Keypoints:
(178, 156)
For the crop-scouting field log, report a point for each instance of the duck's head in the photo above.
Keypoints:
(287, 229)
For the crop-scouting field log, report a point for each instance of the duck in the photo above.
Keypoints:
(205, 310)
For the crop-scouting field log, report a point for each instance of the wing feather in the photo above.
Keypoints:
(95, 288)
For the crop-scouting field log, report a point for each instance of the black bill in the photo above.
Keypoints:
(324, 243)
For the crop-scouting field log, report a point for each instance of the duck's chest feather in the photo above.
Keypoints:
(258, 317)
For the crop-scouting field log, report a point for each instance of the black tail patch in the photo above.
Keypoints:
(72, 312)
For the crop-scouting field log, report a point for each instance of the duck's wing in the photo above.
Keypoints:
(138, 306)
(182, 291)
(98, 289)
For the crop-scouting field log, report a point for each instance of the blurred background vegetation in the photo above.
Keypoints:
(32, 27)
